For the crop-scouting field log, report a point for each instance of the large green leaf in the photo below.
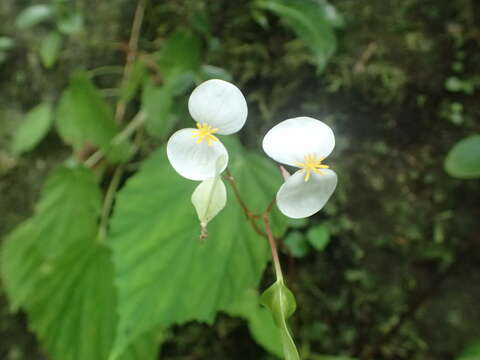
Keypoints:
(463, 160)
(260, 321)
(313, 22)
(33, 129)
(54, 269)
(85, 118)
(165, 274)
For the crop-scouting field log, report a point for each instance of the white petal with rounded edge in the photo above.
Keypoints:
(195, 161)
(298, 198)
(220, 104)
(289, 141)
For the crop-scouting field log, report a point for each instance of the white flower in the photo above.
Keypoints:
(304, 143)
(218, 107)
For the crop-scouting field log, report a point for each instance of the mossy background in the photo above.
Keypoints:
(400, 277)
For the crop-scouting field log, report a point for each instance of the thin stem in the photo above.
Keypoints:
(273, 247)
(242, 204)
(251, 217)
(106, 70)
(131, 55)
(136, 122)
(108, 203)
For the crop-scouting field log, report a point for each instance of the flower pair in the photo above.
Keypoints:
(219, 107)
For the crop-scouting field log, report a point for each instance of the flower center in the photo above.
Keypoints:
(311, 164)
(205, 132)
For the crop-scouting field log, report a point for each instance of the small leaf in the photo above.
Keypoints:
(50, 48)
(208, 72)
(181, 51)
(297, 244)
(71, 24)
(472, 352)
(179, 61)
(312, 21)
(281, 302)
(297, 223)
(463, 160)
(83, 117)
(33, 15)
(6, 43)
(319, 237)
(33, 129)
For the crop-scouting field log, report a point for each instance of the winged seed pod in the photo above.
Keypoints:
(210, 197)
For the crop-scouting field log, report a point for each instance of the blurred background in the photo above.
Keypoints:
(393, 270)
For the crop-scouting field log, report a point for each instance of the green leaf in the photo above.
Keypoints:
(83, 117)
(33, 129)
(69, 204)
(208, 72)
(50, 48)
(297, 223)
(180, 53)
(319, 237)
(54, 269)
(472, 352)
(297, 244)
(71, 24)
(260, 321)
(281, 302)
(157, 102)
(33, 15)
(134, 81)
(145, 347)
(169, 276)
(463, 160)
(6, 43)
(312, 21)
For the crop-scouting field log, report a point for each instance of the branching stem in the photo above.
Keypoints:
(252, 218)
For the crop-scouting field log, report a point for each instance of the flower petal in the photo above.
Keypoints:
(298, 198)
(192, 160)
(219, 104)
(289, 141)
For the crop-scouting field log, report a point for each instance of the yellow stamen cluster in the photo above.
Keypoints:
(311, 164)
(205, 132)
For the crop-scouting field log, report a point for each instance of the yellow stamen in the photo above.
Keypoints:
(311, 164)
(205, 132)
